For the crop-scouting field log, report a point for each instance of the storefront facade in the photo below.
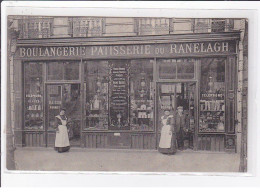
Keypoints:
(116, 88)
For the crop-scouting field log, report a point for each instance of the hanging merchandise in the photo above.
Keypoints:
(173, 102)
(178, 88)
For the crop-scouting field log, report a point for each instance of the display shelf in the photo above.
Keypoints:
(212, 111)
(97, 116)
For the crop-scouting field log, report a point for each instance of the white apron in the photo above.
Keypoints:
(62, 138)
(166, 134)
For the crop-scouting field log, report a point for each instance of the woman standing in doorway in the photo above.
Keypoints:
(167, 143)
(62, 143)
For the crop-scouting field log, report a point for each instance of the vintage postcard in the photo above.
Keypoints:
(126, 94)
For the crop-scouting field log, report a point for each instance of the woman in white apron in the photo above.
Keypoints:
(167, 144)
(62, 143)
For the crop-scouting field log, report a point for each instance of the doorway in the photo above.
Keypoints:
(171, 96)
(66, 95)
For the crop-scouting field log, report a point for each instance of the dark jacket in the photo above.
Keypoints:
(180, 122)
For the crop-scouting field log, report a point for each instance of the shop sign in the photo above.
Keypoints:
(119, 95)
(147, 50)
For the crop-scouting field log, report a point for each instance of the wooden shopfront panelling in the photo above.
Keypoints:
(137, 140)
(18, 103)
(211, 142)
(150, 49)
(34, 139)
(230, 93)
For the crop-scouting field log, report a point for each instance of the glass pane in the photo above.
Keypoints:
(55, 71)
(71, 71)
(185, 69)
(63, 70)
(167, 68)
(212, 95)
(33, 96)
(67, 96)
(54, 103)
(96, 88)
(71, 102)
(141, 94)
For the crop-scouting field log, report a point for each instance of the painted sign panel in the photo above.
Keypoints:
(119, 95)
(143, 50)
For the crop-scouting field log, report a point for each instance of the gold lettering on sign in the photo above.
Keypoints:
(53, 53)
(136, 50)
(127, 50)
(217, 47)
(202, 48)
(59, 51)
(47, 52)
(22, 52)
(209, 48)
(181, 50)
(93, 50)
(188, 48)
(147, 49)
(34, 52)
(196, 48)
(122, 50)
(29, 52)
(224, 46)
(65, 51)
(72, 49)
(115, 49)
(82, 51)
(173, 48)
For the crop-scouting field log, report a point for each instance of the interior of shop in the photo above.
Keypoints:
(173, 95)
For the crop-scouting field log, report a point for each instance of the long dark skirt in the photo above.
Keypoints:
(62, 149)
(172, 149)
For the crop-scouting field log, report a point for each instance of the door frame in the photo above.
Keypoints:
(196, 108)
(61, 83)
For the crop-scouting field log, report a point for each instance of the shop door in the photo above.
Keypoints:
(171, 96)
(67, 96)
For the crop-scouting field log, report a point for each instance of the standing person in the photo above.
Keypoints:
(62, 143)
(167, 143)
(181, 127)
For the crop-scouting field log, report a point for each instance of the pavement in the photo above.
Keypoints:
(83, 159)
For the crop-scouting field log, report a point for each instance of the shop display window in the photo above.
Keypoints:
(141, 95)
(212, 95)
(176, 68)
(33, 88)
(68, 70)
(96, 87)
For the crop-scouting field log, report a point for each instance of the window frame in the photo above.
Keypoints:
(63, 71)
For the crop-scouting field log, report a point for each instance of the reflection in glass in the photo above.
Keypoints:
(33, 88)
(176, 68)
(185, 69)
(212, 95)
(96, 87)
(141, 94)
(63, 70)
(167, 68)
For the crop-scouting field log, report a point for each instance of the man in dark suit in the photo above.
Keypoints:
(180, 127)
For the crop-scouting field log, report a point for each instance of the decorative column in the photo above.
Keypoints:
(12, 36)
(239, 88)
(242, 101)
